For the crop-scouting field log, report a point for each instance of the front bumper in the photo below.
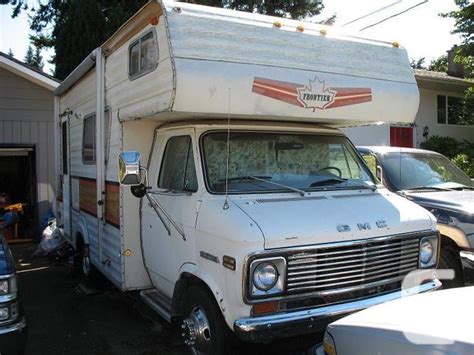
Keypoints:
(13, 337)
(467, 262)
(287, 324)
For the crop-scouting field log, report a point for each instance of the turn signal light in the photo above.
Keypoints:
(265, 307)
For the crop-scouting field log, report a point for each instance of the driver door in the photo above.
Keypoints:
(169, 213)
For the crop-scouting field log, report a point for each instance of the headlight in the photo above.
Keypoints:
(4, 287)
(428, 252)
(8, 286)
(265, 276)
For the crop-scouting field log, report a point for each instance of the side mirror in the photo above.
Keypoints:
(379, 174)
(129, 168)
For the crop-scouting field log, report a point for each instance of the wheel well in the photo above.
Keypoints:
(79, 240)
(184, 283)
(448, 244)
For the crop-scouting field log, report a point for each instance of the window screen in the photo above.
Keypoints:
(88, 140)
(178, 171)
(143, 55)
(134, 59)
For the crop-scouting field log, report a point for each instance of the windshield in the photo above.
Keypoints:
(413, 170)
(270, 162)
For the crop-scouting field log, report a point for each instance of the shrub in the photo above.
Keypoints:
(465, 162)
(461, 153)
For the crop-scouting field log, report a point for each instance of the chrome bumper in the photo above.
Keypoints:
(15, 327)
(287, 324)
(467, 262)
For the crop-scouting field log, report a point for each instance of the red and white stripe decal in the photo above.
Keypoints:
(288, 92)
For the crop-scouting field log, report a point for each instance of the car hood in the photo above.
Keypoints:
(434, 317)
(290, 220)
(459, 201)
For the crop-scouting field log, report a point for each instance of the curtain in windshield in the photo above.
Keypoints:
(295, 160)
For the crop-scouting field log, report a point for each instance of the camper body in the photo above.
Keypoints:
(232, 116)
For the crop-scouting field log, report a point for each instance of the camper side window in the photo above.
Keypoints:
(178, 172)
(143, 55)
(88, 138)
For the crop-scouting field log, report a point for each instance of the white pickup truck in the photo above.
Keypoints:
(254, 214)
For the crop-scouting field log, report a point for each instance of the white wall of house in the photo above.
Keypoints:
(26, 117)
(428, 117)
(369, 135)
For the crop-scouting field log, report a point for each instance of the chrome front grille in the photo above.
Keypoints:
(344, 268)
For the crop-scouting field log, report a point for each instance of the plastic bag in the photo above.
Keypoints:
(52, 240)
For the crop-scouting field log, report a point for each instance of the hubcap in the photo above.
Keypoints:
(86, 264)
(196, 331)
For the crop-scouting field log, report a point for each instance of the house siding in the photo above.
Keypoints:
(26, 117)
(428, 117)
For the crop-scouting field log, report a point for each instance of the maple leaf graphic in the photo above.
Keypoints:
(316, 95)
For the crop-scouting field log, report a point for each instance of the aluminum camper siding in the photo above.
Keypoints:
(81, 100)
(146, 95)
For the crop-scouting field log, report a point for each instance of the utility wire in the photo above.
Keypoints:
(395, 15)
(373, 12)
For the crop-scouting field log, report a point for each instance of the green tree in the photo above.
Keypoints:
(75, 27)
(440, 64)
(418, 64)
(464, 26)
(10, 53)
(34, 58)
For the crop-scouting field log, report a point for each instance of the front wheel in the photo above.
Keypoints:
(203, 328)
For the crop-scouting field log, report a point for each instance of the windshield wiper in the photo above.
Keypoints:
(464, 187)
(423, 188)
(337, 180)
(331, 180)
(266, 179)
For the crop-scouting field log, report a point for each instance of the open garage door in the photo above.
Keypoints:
(18, 186)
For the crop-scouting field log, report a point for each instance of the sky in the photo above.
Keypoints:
(421, 31)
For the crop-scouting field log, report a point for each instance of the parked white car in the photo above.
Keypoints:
(430, 323)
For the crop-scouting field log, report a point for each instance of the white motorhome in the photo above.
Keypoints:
(254, 214)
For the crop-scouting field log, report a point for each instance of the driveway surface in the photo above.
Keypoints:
(67, 315)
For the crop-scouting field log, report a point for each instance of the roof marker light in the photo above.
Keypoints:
(300, 28)
(277, 24)
(395, 44)
(154, 21)
(323, 32)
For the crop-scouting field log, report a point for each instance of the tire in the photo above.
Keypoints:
(449, 260)
(88, 270)
(217, 338)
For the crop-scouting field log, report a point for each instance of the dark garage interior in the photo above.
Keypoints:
(18, 189)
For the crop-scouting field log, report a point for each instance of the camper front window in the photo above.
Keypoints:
(269, 162)
(143, 55)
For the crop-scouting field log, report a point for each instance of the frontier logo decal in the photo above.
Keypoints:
(313, 96)
(316, 96)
